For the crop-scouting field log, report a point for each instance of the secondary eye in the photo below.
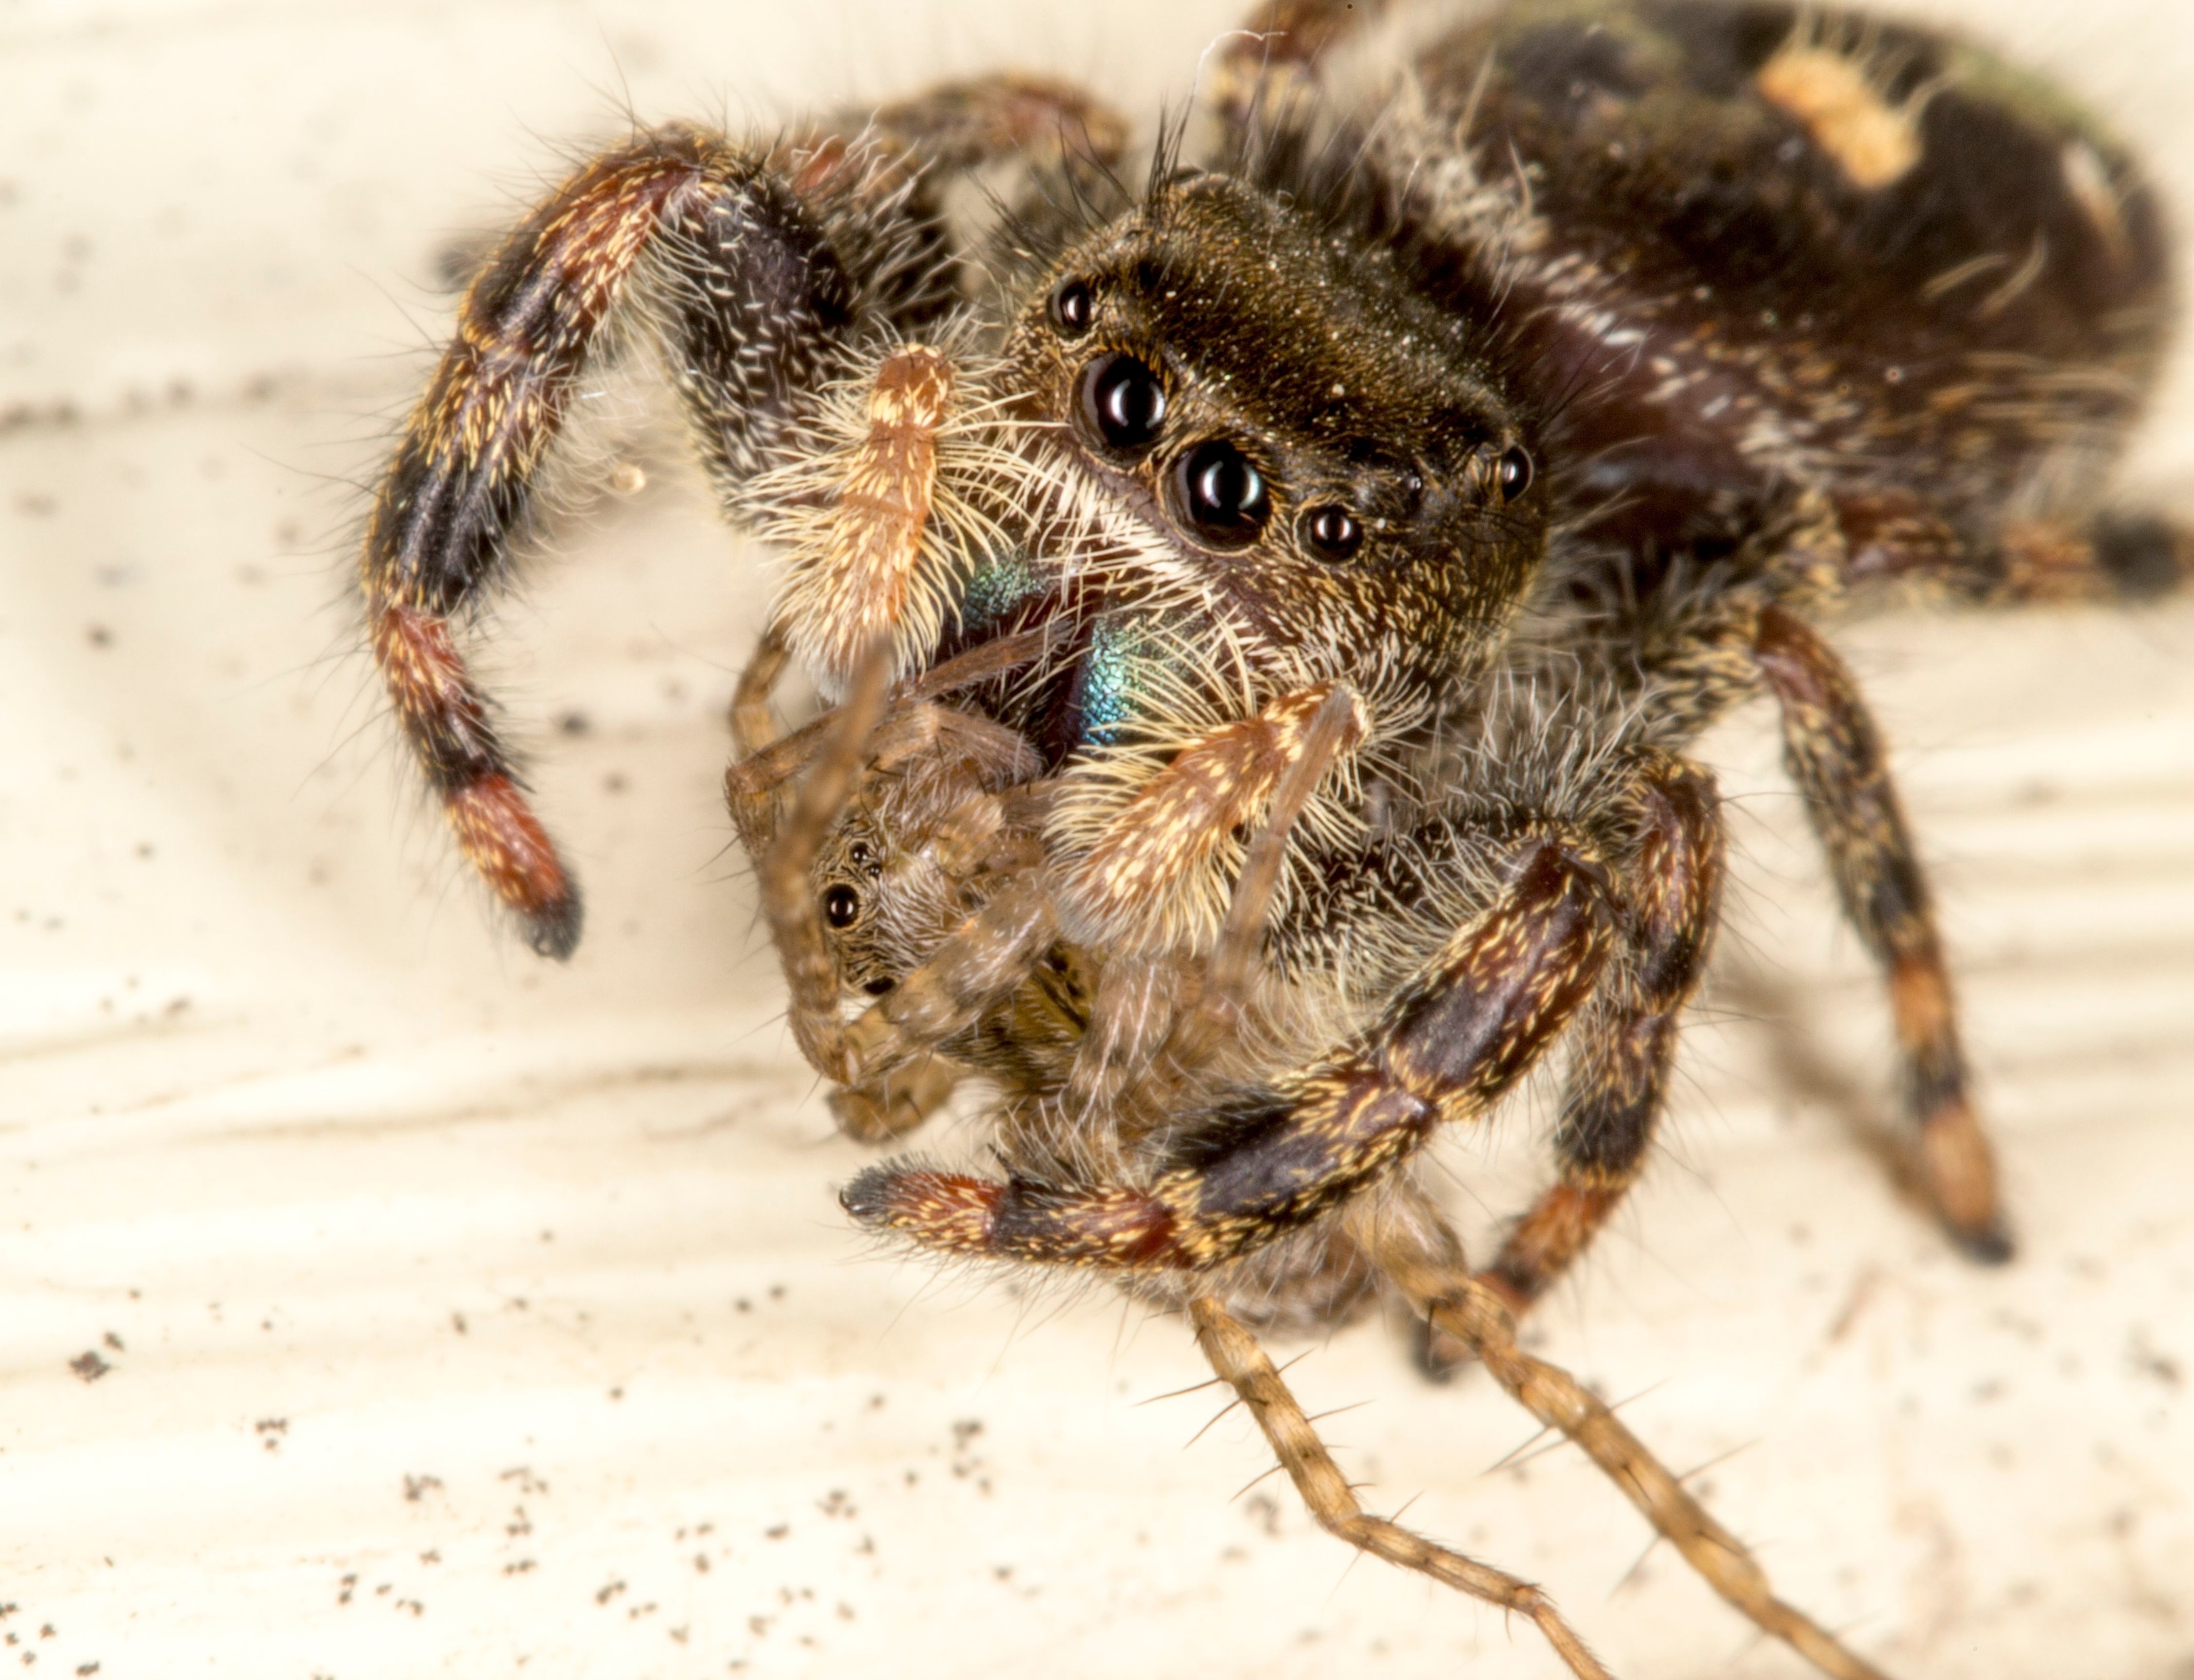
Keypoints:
(1073, 308)
(1515, 472)
(1331, 531)
(842, 905)
(1223, 494)
(1123, 402)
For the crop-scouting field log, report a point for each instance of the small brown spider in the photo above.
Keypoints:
(1305, 580)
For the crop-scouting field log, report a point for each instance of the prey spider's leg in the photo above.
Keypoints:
(462, 484)
(1671, 886)
(983, 960)
(768, 761)
(754, 725)
(1236, 1357)
(1475, 1315)
(787, 868)
(1836, 756)
(1451, 1043)
(755, 800)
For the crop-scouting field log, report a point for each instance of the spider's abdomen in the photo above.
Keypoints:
(1771, 241)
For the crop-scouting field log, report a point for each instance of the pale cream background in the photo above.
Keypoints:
(466, 1314)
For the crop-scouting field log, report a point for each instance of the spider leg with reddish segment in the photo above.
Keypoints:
(463, 485)
(1836, 755)
(1451, 1043)
(754, 268)
(1671, 881)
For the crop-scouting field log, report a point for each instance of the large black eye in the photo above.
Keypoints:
(1331, 531)
(1515, 472)
(1223, 494)
(841, 905)
(1122, 401)
(1073, 308)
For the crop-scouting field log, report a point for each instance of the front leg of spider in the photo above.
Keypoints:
(1263, 1161)
(761, 275)
(762, 300)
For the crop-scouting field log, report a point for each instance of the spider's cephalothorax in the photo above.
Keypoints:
(1271, 615)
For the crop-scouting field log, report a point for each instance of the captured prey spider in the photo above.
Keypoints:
(1347, 542)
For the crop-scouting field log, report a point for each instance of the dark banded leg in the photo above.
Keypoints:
(1836, 756)
(1244, 1365)
(1627, 1040)
(1420, 1261)
(462, 487)
(1451, 1044)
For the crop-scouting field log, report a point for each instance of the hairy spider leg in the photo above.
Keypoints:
(1836, 755)
(1626, 1041)
(2113, 556)
(753, 267)
(1236, 1356)
(462, 485)
(1276, 51)
(1448, 1046)
(1423, 1266)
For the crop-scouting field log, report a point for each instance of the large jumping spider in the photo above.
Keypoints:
(1302, 580)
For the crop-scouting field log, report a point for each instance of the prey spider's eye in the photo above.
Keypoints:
(1073, 308)
(1223, 494)
(842, 905)
(1331, 531)
(879, 986)
(1122, 401)
(1515, 472)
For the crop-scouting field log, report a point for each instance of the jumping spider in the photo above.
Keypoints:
(1272, 609)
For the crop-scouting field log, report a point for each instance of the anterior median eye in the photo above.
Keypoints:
(1222, 494)
(841, 906)
(1122, 401)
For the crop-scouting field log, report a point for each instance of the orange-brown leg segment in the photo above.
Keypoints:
(1479, 1320)
(1834, 754)
(462, 485)
(1243, 1364)
(1450, 1044)
(1625, 1044)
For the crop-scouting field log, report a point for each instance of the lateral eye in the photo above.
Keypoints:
(1515, 472)
(1073, 308)
(1331, 531)
(841, 906)
(1223, 494)
(1123, 402)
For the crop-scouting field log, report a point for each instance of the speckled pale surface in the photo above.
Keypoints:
(462, 1314)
